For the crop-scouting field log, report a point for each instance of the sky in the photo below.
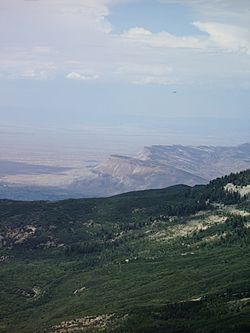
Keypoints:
(112, 76)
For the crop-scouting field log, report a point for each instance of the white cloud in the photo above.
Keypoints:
(30, 63)
(162, 39)
(75, 12)
(41, 49)
(226, 36)
(145, 73)
(80, 76)
(45, 39)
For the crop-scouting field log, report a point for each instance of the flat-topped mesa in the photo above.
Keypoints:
(122, 166)
(157, 166)
(204, 161)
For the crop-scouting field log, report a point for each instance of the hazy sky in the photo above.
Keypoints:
(120, 74)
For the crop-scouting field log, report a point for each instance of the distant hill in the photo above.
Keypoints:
(169, 260)
(155, 167)
(162, 166)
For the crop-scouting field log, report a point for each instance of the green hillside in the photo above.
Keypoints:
(170, 260)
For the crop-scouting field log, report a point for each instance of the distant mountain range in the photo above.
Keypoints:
(161, 166)
(157, 166)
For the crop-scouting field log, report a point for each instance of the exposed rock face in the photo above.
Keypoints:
(157, 166)
(205, 161)
(162, 166)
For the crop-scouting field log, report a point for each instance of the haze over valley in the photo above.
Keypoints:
(156, 166)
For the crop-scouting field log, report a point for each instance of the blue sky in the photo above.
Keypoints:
(176, 18)
(108, 70)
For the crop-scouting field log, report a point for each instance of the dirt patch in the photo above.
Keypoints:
(20, 235)
(242, 190)
(83, 324)
(183, 230)
(234, 211)
(79, 291)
